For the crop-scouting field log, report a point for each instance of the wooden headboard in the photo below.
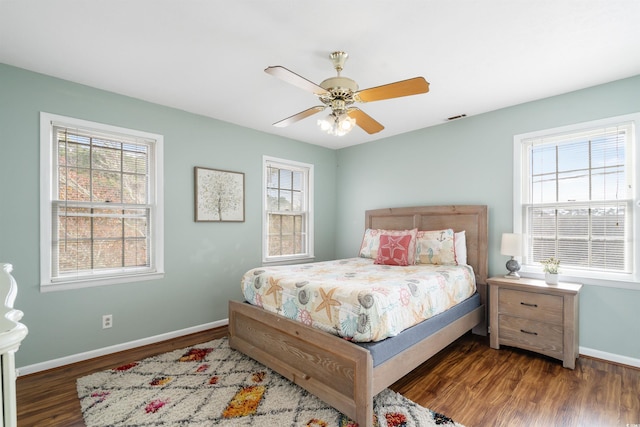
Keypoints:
(473, 219)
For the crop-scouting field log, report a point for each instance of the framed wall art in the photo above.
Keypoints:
(219, 195)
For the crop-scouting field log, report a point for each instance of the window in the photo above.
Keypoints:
(101, 204)
(288, 212)
(576, 198)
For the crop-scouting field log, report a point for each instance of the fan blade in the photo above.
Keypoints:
(394, 90)
(297, 117)
(296, 80)
(365, 121)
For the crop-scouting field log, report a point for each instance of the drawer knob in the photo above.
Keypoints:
(528, 332)
(528, 304)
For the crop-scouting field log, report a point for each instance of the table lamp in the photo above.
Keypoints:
(512, 246)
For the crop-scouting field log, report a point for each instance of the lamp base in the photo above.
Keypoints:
(513, 266)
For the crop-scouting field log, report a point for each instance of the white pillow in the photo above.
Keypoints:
(460, 242)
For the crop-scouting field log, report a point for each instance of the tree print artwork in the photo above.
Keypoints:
(219, 195)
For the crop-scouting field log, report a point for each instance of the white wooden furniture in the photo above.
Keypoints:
(11, 335)
(529, 314)
(337, 371)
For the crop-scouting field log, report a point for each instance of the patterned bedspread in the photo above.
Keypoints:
(357, 299)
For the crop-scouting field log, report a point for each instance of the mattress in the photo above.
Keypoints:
(357, 299)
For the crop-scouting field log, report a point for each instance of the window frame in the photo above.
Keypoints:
(48, 198)
(308, 170)
(591, 277)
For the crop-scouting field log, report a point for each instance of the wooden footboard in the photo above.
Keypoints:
(337, 371)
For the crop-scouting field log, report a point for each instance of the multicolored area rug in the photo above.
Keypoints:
(211, 384)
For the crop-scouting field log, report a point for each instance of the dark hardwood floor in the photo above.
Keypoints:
(480, 386)
(468, 381)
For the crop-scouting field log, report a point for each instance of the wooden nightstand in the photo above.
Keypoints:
(529, 314)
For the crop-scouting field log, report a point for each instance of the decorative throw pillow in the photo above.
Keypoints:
(393, 250)
(371, 242)
(436, 247)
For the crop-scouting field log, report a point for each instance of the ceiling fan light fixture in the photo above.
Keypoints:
(326, 123)
(346, 123)
(337, 124)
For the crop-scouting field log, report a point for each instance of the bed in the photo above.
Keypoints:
(347, 375)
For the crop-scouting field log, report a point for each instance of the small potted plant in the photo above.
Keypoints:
(550, 267)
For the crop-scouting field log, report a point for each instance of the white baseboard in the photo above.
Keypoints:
(56, 363)
(67, 360)
(610, 357)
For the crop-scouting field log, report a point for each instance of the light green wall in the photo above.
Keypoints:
(470, 162)
(203, 261)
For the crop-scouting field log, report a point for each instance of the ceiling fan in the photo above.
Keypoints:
(340, 94)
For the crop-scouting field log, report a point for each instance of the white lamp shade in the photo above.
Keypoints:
(511, 244)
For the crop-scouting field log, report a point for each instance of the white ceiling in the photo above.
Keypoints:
(208, 56)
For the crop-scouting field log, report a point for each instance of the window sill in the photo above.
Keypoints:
(624, 282)
(93, 282)
(286, 261)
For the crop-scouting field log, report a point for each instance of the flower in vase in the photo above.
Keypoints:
(550, 265)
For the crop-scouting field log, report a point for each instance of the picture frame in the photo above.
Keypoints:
(219, 195)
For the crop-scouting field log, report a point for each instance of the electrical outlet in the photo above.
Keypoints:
(107, 321)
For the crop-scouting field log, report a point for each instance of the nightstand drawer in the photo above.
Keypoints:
(529, 305)
(542, 337)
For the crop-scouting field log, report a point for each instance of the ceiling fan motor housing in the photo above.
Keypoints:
(341, 91)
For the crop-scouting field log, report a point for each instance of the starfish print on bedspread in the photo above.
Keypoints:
(327, 301)
(275, 289)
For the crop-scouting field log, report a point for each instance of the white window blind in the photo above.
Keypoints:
(577, 199)
(103, 205)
